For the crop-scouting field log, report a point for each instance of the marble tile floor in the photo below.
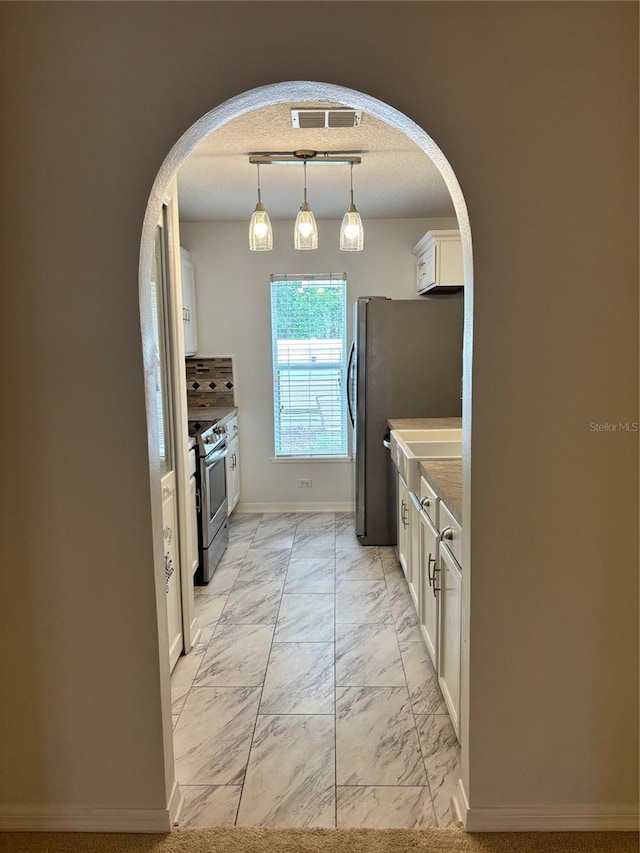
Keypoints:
(310, 698)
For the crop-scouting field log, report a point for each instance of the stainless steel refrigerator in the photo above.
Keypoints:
(405, 362)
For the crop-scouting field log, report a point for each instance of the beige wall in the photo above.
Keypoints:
(234, 314)
(535, 105)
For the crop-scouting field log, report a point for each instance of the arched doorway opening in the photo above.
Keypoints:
(291, 92)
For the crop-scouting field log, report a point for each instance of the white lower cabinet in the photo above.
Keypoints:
(233, 475)
(232, 463)
(404, 540)
(449, 590)
(428, 597)
(429, 551)
(415, 550)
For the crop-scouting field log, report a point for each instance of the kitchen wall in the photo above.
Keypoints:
(234, 317)
(535, 105)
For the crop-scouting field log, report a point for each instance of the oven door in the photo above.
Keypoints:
(214, 493)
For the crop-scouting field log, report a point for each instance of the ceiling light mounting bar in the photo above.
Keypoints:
(333, 158)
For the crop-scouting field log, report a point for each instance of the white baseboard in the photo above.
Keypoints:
(39, 819)
(460, 804)
(591, 818)
(176, 802)
(295, 507)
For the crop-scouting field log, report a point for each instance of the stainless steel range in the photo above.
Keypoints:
(211, 483)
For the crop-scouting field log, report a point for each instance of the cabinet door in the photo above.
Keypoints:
(192, 525)
(188, 303)
(404, 542)
(449, 581)
(426, 269)
(413, 568)
(172, 566)
(428, 597)
(449, 271)
(233, 475)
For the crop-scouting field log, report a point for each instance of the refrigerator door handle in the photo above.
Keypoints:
(349, 366)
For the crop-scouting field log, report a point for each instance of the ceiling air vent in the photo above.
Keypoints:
(319, 118)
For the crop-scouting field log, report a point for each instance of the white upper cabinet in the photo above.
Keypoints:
(439, 261)
(188, 303)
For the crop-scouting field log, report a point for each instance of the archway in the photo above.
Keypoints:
(279, 93)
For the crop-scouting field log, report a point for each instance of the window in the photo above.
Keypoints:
(308, 330)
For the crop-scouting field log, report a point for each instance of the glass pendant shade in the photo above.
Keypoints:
(305, 234)
(260, 232)
(305, 231)
(351, 230)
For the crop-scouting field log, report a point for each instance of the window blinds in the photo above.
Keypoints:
(308, 326)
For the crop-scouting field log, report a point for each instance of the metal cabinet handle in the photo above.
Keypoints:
(429, 575)
(198, 500)
(425, 502)
(447, 533)
(436, 589)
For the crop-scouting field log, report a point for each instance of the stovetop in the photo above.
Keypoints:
(208, 435)
(197, 428)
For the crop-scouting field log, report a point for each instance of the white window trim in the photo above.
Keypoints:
(308, 278)
(289, 459)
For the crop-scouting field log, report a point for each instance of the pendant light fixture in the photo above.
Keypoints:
(351, 230)
(260, 233)
(305, 231)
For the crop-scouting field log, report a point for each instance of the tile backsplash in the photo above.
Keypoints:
(209, 382)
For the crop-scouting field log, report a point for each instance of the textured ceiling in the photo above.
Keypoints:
(394, 180)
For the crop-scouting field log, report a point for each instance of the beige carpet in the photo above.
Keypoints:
(240, 840)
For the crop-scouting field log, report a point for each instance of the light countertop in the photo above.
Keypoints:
(425, 423)
(445, 478)
(204, 413)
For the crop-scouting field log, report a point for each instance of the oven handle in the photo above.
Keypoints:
(215, 456)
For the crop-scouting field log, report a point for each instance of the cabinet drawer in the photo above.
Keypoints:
(429, 501)
(454, 543)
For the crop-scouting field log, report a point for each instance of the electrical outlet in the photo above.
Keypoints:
(304, 484)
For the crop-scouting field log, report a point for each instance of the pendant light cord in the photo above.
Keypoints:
(259, 199)
(305, 181)
(351, 183)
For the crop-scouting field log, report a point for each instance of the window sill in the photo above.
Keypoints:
(305, 459)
